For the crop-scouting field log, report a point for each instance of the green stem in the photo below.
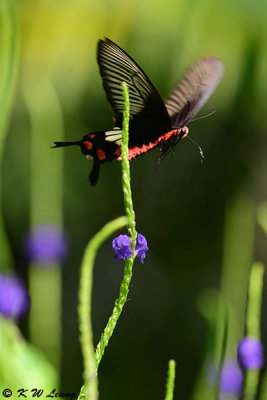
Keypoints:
(126, 177)
(118, 306)
(253, 325)
(84, 309)
(9, 47)
(170, 381)
(255, 300)
(46, 177)
(126, 186)
(262, 216)
(238, 257)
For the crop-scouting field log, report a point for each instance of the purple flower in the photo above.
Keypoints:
(231, 379)
(14, 300)
(141, 247)
(250, 353)
(46, 244)
(121, 246)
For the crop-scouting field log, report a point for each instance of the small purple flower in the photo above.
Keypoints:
(141, 247)
(46, 244)
(121, 246)
(231, 379)
(14, 300)
(250, 353)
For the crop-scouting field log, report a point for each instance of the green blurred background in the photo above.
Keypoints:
(183, 208)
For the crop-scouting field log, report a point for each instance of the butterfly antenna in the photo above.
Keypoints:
(204, 116)
(199, 148)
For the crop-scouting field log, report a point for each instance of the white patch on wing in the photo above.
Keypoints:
(114, 135)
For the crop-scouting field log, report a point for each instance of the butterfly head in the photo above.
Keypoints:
(183, 132)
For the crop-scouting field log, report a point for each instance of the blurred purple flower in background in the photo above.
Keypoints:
(250, 353)
(141, 247)
(14, 299)
(121, 246)
(231, 379)
(46, 244)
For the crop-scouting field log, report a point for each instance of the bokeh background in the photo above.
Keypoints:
(204, 222)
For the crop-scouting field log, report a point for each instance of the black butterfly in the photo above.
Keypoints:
(152, 123)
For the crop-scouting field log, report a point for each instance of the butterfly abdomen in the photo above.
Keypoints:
(165, 142)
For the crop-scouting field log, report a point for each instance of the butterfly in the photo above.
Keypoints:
(153, 123)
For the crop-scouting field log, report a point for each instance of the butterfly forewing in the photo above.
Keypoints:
(193, 90)
(117, 66)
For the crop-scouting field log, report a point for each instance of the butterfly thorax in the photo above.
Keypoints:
(171, 139)
(144, 129)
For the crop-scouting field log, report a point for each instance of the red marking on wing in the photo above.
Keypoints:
(88, 145)
(101, 154)
(137, 151)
